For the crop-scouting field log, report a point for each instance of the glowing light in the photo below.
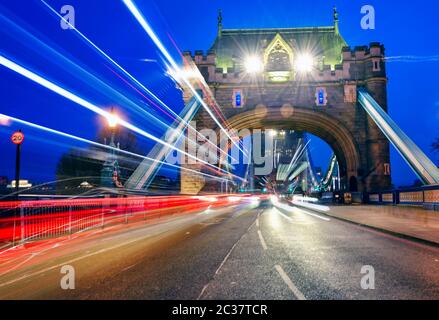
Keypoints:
(88, 105)
(67, 135)
(144, 24)
(254, 200)
(4, 120)
(304, 63)
(274, 199)
(208, 199)
(106, 56)
(311, 206)
(113, 120)
(253, 65)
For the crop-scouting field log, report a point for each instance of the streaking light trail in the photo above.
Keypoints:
(70, 66)
(70, 136)
(126, 73)
(69, 95)
(139, 17)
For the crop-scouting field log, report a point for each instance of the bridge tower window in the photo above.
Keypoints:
(321, 97)
(278, 60)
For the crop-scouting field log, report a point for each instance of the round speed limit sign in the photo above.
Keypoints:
(17, 137)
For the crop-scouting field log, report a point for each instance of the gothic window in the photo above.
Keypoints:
(278, 59)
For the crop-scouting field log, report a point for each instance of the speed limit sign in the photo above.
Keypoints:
(17, 137)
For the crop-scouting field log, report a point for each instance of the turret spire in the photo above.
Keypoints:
(337, 31)
(220, 23)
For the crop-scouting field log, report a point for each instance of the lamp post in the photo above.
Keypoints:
(108, 176)
(17, 138)
(113, 121)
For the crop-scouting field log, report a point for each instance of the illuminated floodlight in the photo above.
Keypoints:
(304, 63)
(253, 65)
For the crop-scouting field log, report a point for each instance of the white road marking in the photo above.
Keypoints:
(202, 291)
(297, 293)
(264, 245)
(226, 257)
(231, 250)
(284, 215)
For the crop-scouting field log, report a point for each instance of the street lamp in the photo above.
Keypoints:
(112, 118)
(110, 170)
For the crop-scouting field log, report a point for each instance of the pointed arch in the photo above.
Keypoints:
(278, 59)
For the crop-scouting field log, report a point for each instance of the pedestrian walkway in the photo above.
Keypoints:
(406, 221)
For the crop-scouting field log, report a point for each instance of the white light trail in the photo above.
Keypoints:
(73, 137)
(126, 73)
(72, 97)
(276, 203)
(312, 206)
(139, 17)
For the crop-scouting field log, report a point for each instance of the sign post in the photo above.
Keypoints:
(17, 139)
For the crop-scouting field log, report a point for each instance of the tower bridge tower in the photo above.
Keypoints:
(304, 79)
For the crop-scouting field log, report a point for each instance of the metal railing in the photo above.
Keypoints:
(427, 197)
(24, 221)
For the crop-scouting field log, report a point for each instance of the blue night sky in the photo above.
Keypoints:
(405, 28)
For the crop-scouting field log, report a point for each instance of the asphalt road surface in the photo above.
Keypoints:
(241, 252)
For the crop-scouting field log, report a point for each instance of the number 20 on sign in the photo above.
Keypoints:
(17, 137)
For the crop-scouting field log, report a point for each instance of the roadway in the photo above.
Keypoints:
(241, 252)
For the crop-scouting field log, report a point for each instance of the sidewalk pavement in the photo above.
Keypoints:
(409, 222)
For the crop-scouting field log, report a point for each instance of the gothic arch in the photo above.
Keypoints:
(317, 123)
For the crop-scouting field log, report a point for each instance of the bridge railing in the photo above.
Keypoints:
(427, 197)
(24, 221)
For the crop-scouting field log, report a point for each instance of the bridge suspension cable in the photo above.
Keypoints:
(424, 168)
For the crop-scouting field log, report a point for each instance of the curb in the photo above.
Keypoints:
(390, 232)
